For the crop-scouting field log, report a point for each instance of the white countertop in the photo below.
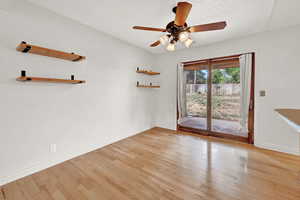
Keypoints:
(291, 116)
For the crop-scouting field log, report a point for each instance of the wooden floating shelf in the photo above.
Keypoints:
(28, 48)
(25, 78)
(147, 72)
(148, 86)
(52, 80)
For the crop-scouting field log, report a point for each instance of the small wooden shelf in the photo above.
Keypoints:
(147, 72)
(28, 48)
(148, 86)
(25, 78)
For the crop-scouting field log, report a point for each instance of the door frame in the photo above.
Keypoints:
(209, 132)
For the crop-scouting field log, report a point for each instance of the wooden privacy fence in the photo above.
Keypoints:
(217, 89)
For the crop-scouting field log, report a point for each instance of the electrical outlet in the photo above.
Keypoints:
(53, 148)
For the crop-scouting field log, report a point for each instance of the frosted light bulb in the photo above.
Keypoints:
(171, 47)
(164, 39)
(183, 36)
(188, 42)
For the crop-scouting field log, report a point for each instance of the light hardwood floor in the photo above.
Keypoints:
(163, 164)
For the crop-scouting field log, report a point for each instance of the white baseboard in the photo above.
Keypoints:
(279, 148)
(41, 165)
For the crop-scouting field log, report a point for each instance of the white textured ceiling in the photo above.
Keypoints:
(116, 17)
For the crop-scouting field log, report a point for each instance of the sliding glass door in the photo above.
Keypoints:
(213, 98)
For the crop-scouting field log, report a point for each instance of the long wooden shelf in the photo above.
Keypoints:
(148, 86)
(147, 72)
(25, 78)
(52, 80)
(291, 116)
(28, 48)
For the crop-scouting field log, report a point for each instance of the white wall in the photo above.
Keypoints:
(277, 72)
(78, 118)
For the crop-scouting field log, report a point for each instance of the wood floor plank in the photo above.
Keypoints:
(2, 194)
(166, 165)
(13, 192)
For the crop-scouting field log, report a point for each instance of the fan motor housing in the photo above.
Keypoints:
(174, 30)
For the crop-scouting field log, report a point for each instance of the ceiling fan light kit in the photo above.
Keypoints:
(178, 30)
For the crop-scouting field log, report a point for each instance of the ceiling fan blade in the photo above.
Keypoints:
(149, 28)
(182, 12)
(208, 27)
(155, 44)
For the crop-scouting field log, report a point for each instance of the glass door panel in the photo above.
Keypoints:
(196, 99)
(225, 103)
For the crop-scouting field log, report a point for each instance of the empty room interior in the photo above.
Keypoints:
(149, 100)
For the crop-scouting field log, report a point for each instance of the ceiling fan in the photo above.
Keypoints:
(178, 30)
